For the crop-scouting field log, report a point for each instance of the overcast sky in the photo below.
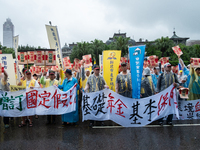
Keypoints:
(85, 20)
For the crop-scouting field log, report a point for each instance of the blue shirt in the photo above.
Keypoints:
(68, 84)
(154, 79)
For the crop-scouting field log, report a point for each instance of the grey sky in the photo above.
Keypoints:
(85, 20)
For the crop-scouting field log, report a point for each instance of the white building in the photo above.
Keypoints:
(8, 33)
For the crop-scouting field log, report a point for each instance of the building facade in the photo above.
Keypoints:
(8, 33)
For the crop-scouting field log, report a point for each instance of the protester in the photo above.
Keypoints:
(147, 86)
(183, 81)
(180, 74)
(35, 77)
(47, 83)
(4, 87)
(95, 83)
(193, 80)
(29, 82)
(84, 75)
(123, 84)
(164, 81)
(68, 83)
(24, 75)
(155, 76)
(194, 86)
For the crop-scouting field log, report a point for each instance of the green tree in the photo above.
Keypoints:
(82, 48)
(96, 48)
(120, 43)
(164, 45)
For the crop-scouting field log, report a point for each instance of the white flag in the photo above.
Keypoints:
(54, 43)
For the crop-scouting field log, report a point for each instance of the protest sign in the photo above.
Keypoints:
(50, 57)
(31, 56)
(39, 58)
(111, 60)
(184, 93)
(128, 112)
(22, 58)
(66, 62)
(195, 62)
(123, 59)
(164, 60)
(88, 60)
(177, 50)
(153, 61)
(45, 101)
(7, 63)
(77, 63)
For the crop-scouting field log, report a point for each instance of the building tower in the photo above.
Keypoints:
(8, 33)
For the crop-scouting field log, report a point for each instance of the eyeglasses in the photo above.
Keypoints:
(97, 69)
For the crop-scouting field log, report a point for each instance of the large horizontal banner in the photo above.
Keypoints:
(128, 112)
(45, 101)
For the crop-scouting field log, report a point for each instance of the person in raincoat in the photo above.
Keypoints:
(68, 83)
(147, 86)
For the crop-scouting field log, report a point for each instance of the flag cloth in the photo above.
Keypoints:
(54, 43)
(111, 60)
(136, 54)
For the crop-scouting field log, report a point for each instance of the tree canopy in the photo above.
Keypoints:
(161, 47)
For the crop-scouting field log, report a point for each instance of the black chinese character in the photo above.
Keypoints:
(149, 106)
(135, 113)
(86, 105)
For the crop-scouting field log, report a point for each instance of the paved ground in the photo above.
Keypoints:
(56, 137)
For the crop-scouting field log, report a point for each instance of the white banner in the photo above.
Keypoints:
(45, 101)
(128, 112)
(189, 109)
(54, 43)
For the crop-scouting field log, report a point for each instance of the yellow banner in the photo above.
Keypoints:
(16, 88)
(54, 43)
(111, 60)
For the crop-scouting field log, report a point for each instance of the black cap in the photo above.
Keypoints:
(123, 64)
(96, 66)
(51, 72)
(68, 71)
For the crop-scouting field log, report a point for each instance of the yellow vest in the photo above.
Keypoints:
(83, 83)
(48, 83)
(32, 83)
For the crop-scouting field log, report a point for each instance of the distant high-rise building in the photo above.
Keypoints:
(8, 33)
